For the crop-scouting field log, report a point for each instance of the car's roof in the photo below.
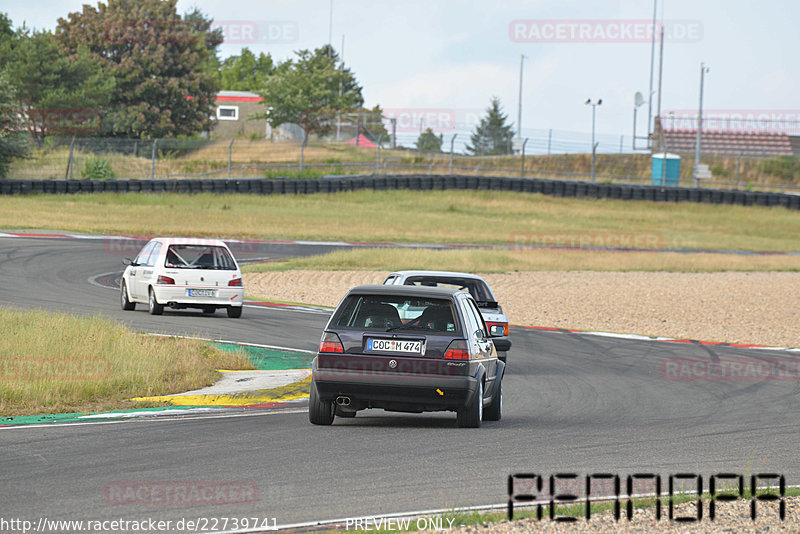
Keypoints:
(409, 291)
(189, 241)
(448, 274)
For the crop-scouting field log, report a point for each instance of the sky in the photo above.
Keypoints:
(439, 62)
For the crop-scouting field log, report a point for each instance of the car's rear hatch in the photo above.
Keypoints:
(201, 269)
(409, 352)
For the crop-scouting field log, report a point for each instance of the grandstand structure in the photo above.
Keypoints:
(723, 136)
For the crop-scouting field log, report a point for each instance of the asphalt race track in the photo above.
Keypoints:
(573, 403)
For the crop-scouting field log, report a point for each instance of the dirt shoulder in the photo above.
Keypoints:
(735, 307)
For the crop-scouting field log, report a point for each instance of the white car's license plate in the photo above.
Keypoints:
(394, 345)
(202, 292)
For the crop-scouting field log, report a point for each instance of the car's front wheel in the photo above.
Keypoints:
(127, 305)
(235, 312)
(320, 412)
(470, 416)
(495, 410)
(153, 306)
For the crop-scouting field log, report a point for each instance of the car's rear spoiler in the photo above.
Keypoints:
(486, 303)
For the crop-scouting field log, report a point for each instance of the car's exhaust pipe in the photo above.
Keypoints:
(341, 400)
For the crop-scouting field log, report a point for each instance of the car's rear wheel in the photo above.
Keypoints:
(494, 412)
(127, 305)
(320, 412)
(235, 312)
(153, 306)
(470, 416)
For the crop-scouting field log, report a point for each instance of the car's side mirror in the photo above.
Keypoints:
(503, 345)
(497, 330)
(128, 261)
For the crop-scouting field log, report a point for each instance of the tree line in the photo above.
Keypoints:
(139, 69)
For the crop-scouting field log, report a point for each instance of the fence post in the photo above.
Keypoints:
(452, 140)
(522, 161)
(738, 160)
(302, 148)
(230, 153)
(378, 161)
(549, 138)
(153, 165)
(68, 175)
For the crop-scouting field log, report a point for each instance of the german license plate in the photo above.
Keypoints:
(394, 345)
(202, 293)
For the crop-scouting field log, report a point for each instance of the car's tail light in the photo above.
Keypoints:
(457, 350)
(490, 324)
(165, 280)
(330, 343)
(236, 282)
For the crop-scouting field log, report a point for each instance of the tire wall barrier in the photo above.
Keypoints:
(411, 182)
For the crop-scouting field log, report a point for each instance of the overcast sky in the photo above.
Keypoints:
(444, 59)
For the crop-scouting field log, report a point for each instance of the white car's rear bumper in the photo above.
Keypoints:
(222, 296)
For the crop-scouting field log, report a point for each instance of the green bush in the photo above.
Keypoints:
(97, 169)
(787, 168)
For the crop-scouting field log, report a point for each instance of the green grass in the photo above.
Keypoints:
(94, 363)
(404, 216)
(503, 261)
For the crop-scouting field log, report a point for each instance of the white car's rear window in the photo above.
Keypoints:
(199, 257)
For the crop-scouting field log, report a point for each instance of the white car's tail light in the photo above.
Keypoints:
(165, 280)
(236, 282)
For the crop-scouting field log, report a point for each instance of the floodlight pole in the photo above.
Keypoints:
(519, 105)
(652, 66)
(594, 145)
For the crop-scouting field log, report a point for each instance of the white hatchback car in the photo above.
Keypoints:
(183, 273)
(490, 310)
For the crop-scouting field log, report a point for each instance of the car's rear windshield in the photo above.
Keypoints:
(396, 313)
(477, 288)
(199, 257)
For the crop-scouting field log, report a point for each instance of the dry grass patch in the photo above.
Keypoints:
(57, 363)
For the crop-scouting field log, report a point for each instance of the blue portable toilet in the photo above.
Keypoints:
(666, 169)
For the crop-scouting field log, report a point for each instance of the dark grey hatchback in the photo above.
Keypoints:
(407, 349)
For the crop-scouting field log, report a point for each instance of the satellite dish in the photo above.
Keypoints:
(638, 99)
